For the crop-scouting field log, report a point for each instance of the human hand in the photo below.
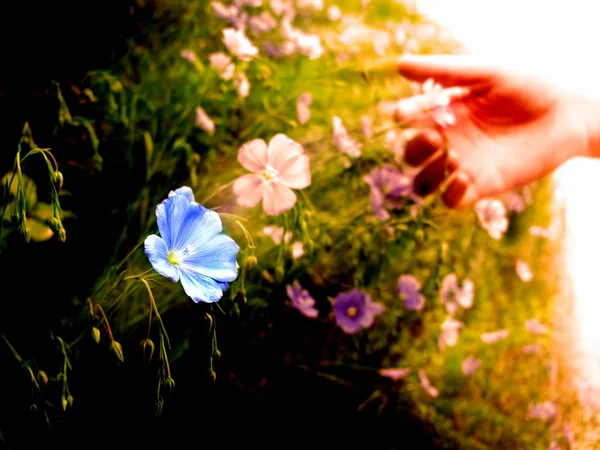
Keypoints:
(512, 128)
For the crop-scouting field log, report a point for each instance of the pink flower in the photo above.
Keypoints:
(297, 250)
(452, 295)
(238, 43)
(449, 334)
(544, 411)
(222, 63)
(189, 55)
(204, 121)
(494, 336)
(434, 101)
(492, 216)
(303, 107)
(276, 234)
(343, 141)
(395, 374)
(470, 365)
(534, 326)
(278, 168)
(433, 392)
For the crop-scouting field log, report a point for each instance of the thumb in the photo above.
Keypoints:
(448, 70)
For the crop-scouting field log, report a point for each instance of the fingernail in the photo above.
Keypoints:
(455, 190)
(421, 146)
(431, 177)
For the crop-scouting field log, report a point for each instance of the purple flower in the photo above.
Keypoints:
(408, 288)
(355, 309)
(389, 186)
(302, 300)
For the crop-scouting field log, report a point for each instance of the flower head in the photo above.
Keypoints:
(238, 43)
(222, 63)
(303, 107)
(494, 336)
(470, 365)
(544, 410)
(449, 334)
(204, 121)
(534, 326)
(191, 247)
(189, 55)
(278, 168)
(433, 392)
(395, 374)
(408, 288)
(452, 294)
(524, 271)
(492, 216)
(276, 234)
(355, 309)
(302, 300)
(343, 141)
(389, 188)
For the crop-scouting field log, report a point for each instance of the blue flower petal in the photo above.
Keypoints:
(199, 226)
(215, 259)
(170, 216)
(200, 288)
(186, 191)
(157, 252)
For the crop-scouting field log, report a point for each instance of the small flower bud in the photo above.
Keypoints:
(116, 348)
(70, 400)
(26, 233)
(64, 403)
(170, 385)
(58, 180)
(209, 322)
(54, 224)
(62, 234)
(96, 335)
(147, 350)
(251, 262)
(158, 407)
(42, 378)
(33, 407)
(217, 354)
(212, 376)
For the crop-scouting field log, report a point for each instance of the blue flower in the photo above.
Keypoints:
(191, 247)
(355, 309)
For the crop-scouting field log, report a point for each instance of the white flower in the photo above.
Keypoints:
(523, 271)
(238, 43)
(334, 13)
